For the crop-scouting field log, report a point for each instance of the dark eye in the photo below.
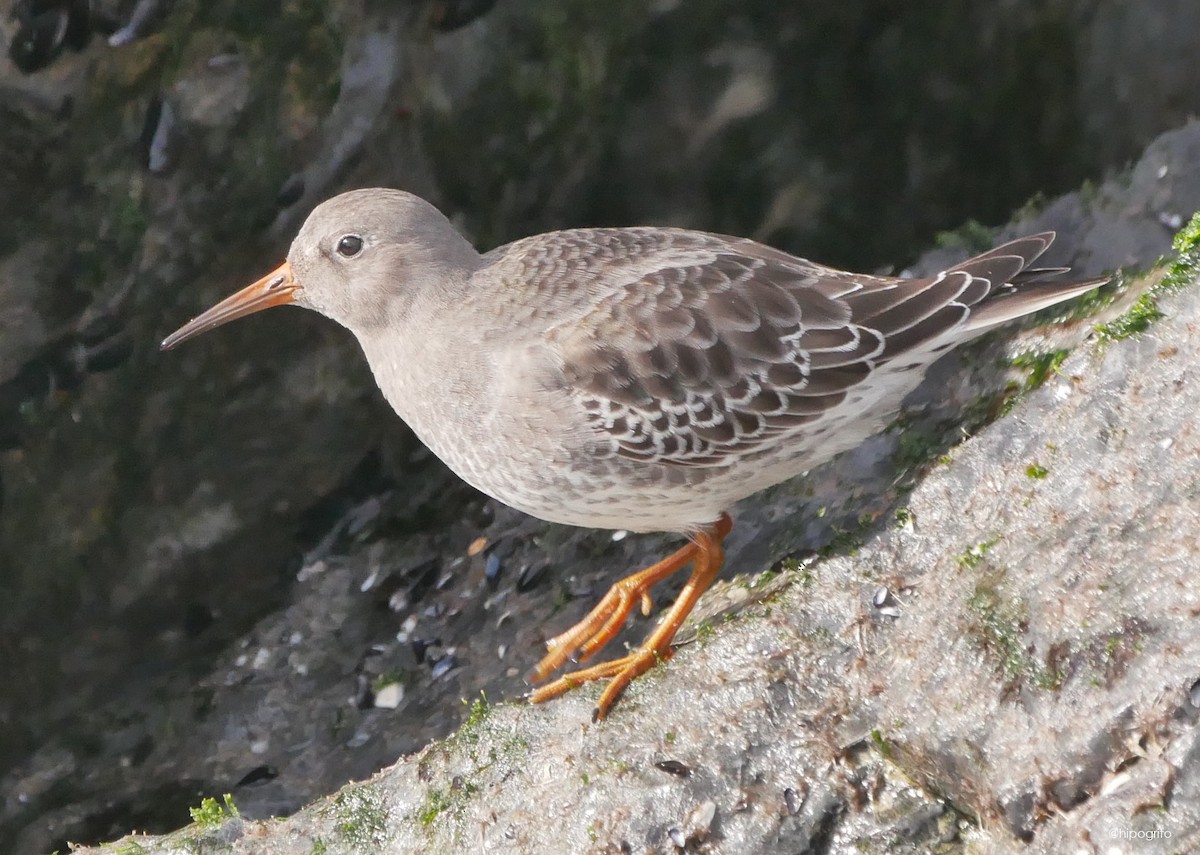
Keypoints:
(349, 246)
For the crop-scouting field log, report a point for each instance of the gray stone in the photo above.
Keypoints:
(1033, 694)
(211, 561)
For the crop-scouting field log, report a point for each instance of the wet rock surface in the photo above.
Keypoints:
(1002, 655)
(231, 570)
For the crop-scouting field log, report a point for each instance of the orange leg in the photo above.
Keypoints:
(608, 617)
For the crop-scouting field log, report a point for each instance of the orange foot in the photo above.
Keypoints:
(587, 637)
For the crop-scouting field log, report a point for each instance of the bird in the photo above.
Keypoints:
(643, 379)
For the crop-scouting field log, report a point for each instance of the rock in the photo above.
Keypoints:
(1035, 687)
(215, 92)
(164, 518)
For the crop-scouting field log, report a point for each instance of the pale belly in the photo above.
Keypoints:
(534, 474)
(528, 458)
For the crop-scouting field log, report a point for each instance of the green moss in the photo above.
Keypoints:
(998, 629)
(125, 847)
(1036, 471)
(1089, 192)
(972, 236)
(1087, 305)
(1039, 366)
(987, 407)
(1182, 271)
(818, 635)
(619, 765)
(212, 813)
(436, 801)
(1032, 206)
(129, 225)
(453, 800)
(916, 446)
(802, 570)
(1049, 678)
(487, 742)
(1185, 268)
(476, 716)
(483, 742)
(1135, 321)
(881, 744)
(762, 580)
(975, 555)
(319, 847)
(389, 677)
(361, 818)
(1115, 652)
(843, 541)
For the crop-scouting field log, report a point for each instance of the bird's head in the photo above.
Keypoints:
(360, 258)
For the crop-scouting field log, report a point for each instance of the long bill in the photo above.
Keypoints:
(277, 288)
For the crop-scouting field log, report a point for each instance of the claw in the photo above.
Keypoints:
(603, 623)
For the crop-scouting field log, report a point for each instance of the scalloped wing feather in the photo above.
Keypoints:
(729, 346)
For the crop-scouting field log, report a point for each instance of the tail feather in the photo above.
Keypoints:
(1005, 262)
(964, 301)
(1037, 274)
(1018, 288)
(1018, 302)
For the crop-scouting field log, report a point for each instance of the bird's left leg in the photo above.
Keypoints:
(706, 554)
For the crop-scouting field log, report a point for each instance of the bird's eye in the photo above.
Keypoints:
(349, 246)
